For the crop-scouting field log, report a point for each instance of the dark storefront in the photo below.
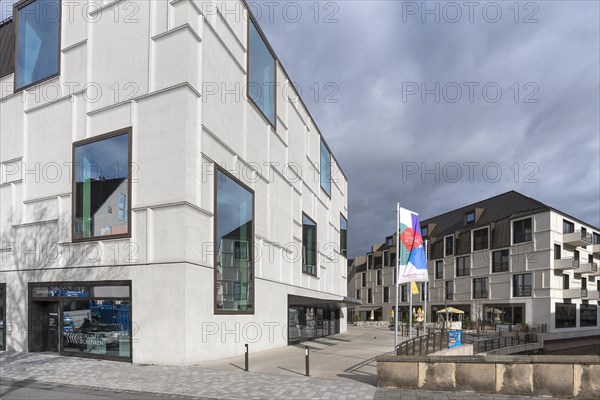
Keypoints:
(2, 316)
(504, 313)
(310, 318)
(84, 319)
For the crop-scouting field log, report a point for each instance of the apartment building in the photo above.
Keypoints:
(507, 259)
(163, 200)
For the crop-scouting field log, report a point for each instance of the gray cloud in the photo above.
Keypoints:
(549, 149)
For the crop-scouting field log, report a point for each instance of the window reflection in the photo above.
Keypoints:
(325, 169)
(344, 236)
(101, 187)
(234, 241)
(261, 73)
(309, 245)
(38, 32)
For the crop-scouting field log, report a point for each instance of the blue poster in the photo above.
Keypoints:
(454, 339)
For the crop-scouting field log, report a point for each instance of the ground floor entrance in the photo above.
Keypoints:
(86, 319)
(310, 318)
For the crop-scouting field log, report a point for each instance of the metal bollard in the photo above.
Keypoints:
(246, 359)
(307, 358)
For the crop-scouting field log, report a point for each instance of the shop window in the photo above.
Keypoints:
(234, 238)
(261, 73)
(588, 315)
(565, 315)
(102, 186)
(37, 41)
(309, 246)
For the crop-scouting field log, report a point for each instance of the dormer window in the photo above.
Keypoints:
(470, 217)
(424, 232)
(38, 38)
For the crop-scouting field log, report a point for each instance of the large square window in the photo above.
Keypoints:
(309, 245)
(500, 261)
(463, 266)
(480, 288)
(522, 231)
(261, 73)
(325, 169)
(343, 236)
(522, 285)
(102, 188)
(234, 238)
(38, 41)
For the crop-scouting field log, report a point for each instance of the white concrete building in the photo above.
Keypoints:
(165, 196)
(509, 259)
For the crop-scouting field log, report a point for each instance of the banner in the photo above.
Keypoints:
(413, 265)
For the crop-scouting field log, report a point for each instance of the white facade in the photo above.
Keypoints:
(165, 75)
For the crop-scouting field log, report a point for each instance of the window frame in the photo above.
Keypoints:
(94, 139)
(370, 263)
(369, 296)
(494, 271)
(581, 320)
(449, 295)
(379, 277)
(566, 281)
(323, 146)
(16, 7)
(316, 246)
(570, 224)
(344, 234)
(557, 251)
(467, 214)
(386, 294)
(446, 247)
(250, 247)
(487, 244)
(383, 255)
(363, 282)
(439, 262)
(252, 20)
(483, 293)
(464, 268)
(512, 231)
(424, 232)
(519, 293)
(566, 306)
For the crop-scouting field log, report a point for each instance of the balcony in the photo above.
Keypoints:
(596, 249)
(590, 294)
(566, 263)
(574, 293)
(577, 238)
(590, 269)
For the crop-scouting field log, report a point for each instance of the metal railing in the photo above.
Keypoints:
(485, 345)
(423, 345)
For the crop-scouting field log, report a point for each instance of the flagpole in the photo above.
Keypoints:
(426, 285)
(396, 314)
(410, 307)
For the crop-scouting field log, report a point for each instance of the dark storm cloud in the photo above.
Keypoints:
(547, 147)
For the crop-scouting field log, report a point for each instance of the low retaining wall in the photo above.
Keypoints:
(557, 376)
(464, 350)
(378, 324)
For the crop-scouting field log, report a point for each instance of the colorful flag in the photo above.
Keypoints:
(413, 265)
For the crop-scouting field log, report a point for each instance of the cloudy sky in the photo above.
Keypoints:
(438, 110)
(517, 108)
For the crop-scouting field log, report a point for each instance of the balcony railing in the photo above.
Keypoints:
(577, 238)
(589, 269)
(596, 249)
(566, 263)
(573, 293)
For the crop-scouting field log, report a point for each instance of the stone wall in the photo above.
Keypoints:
(557, 376)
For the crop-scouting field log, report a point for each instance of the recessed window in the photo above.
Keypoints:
(101, 185)
(38, 42)
(463, 265)
(470, 217)
(424, 232)
(500, 261)
(566, 281)
(325, 169)
(309, 245)
(3, 316)
(480, 239)
(588, 315)
(403, 293)
(343, 236)
(364, 279)
(234, 238)
(568, 226)
(576, 257)
(395, 275)
(386, 258)
(583, 283)
(379, 277)
(449, 246)
(522, 285)
(557, 252)
(370, 261)
(439, 269)
(370, 295)
(565, 315)
(386, 294)
(449, 290)
(261, 73)
(480, 288)
(390, 241)
(522, 231)
(358, 294)
(595, 238)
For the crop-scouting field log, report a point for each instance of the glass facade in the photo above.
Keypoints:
(234, 214)
(325, 169)
(261, 73)
(309, 245)
(102, 190)
(310, 322)
(343, 236)
(38, 37)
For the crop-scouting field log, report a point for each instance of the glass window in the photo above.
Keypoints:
(522, 231)
(100, 327)
(449, 245)
(439, 269)
(261, 73)
(370, 261)
(480, 288)
(449, 290)
(565, 315)
(309, 245)
(370, 296)
(38, 37)
(568, 226)
(234, 238)
(102, 186)
(424, 232)
(379, 277)
(463, 266)
(2, 316)
(358, 294)
(395, 275)
(595, 238)
(325, 169)
(480, 239)
(364, 279)
(386, 294)
(588, 315)
(566, 280)
(557, 252)
(386, 258)
(583, 283)
(403, 293)
(343, 236)
(500, 261)
(522, 285)
(390, 242)
(470, 217)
